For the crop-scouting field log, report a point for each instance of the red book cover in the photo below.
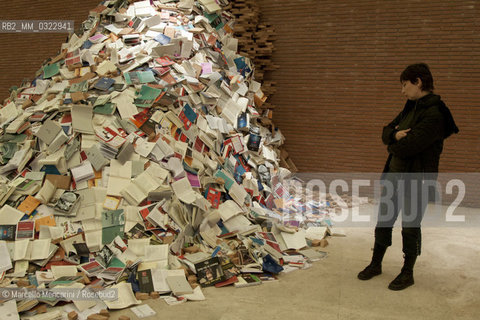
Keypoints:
(164, 61)
(227, 282)
(167, 77)
(67, 118)
(162, 70)
(144, 213)
(199, 145)
(213, 196)
(25, 229)
(186, 122)
(83, 155)
(261, 200)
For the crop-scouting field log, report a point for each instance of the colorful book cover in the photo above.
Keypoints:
(188, 116)
(209, 272)
(145, 281)
(144, 212)
(109, 233)
(105, 256)
(92, 268)
(242, 121)
(194, 180)
(227, 282)
(199, 145)
(164, 61)
(247, 280)
(25, 229)
(161, 71)
(112, 218)
(44, 221)
(213, 196)
(82, 249)
(66, 280)
(229, 268)
(29, 205)
(7, 232)
(162, 39)
(111, 273)
(107, 109)
(147, 96)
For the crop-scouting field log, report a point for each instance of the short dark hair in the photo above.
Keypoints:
(418, 70)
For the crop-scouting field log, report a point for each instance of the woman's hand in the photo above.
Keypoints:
(401, 134)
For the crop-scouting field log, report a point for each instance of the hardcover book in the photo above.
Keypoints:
(145, 281)
(247, 280)
(7, 232)
(209, 272)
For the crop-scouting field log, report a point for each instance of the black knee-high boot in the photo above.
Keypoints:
(375, 266)
(405, 278)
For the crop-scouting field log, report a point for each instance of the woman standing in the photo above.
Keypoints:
(414, 141)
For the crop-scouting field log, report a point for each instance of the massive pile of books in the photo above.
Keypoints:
(137, 160)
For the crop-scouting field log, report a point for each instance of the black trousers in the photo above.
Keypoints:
(406, 193)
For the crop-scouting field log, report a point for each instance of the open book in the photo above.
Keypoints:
(137, 190)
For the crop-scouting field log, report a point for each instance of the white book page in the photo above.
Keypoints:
(9, 215)
(82, 119)
(175, 166)
(159, 279)
(40, 249)
(133, 194)
(125, 299)
(48, 131)
(314, 233)
(237, 193)
(125, 104)
(64, 271)
(8, 310)
(294, 240)
(179, 285)
(83, 172)
(139, 246)
(143, 147)
(5, 261)
(156, 252)
(197, 295)
(119, 177)
(157, 172)
(157, 218)
(21, 248)
(87, 206)
(183, 190)
(237, 223)
(146, 182)
(229, 209)
(93, 239)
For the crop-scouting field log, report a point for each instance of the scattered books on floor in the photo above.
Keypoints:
(137, 159)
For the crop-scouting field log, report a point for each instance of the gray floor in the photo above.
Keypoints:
(447, 284)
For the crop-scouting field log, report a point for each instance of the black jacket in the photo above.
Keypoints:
(421, 148)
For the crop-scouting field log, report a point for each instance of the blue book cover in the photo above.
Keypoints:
(87, 45)
(162, 39)
(242, 121)
(189, 113)
(7, 232)
(104, 84)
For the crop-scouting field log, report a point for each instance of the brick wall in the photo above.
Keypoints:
(338, 82)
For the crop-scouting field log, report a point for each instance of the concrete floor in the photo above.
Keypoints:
(447, 284)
